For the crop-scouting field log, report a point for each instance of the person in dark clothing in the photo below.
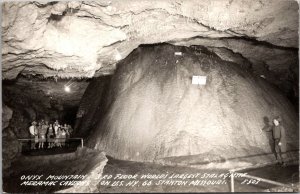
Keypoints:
(70, 130)
(279, 136)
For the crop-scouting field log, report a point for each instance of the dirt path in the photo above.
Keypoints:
(80, 162)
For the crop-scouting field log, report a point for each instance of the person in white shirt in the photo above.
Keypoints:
(56, 126)
(32, 131)
(50, 136)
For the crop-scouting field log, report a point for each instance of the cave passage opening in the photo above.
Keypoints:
(39, 99)
(69, 115)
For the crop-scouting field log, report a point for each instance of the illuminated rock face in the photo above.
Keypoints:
(153, 111)
(83, 39)
(70, 39)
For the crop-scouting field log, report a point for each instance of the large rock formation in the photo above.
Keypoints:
(154, 111)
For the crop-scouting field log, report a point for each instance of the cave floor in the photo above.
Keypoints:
(11, 182)
(289, 174)
(57, 162)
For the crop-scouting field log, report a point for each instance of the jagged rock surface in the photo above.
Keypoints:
(94, 175)
(83, 39)
(10, 142)
(10, 147)
(6, 116)
(153, 111)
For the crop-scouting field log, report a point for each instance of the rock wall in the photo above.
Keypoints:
(9, 147)
(9, 140)
(6, 116)
(153, 111)
(23, 114)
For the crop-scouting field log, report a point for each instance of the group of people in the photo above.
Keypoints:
(54, 134)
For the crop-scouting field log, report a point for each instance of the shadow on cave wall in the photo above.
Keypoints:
(92, 106)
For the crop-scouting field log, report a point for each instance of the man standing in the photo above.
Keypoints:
(32, 131)
(279, 137)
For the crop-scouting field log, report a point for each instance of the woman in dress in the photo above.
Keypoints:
(63, 136)
(50, 136)
(36, 134)
(42, 134)
(58, 137)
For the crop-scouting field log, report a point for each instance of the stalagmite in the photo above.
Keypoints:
(154, 111)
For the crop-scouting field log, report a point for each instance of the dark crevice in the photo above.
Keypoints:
(252, 41)
(40, 77)
(40, 5)
(266, 44)
(69, 115)
(54, 17)
(67, 12)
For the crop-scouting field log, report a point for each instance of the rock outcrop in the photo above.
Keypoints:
(93, 176)
(83, 39)
(154, 111)
(10, 147)
(6, 116)
(10, 142)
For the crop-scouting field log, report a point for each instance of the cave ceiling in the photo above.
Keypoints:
(86, 39)
(47, 92)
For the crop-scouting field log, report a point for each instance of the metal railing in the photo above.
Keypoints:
(232, 171)
(53, 139)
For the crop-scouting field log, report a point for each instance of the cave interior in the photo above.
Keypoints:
(128, 78)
